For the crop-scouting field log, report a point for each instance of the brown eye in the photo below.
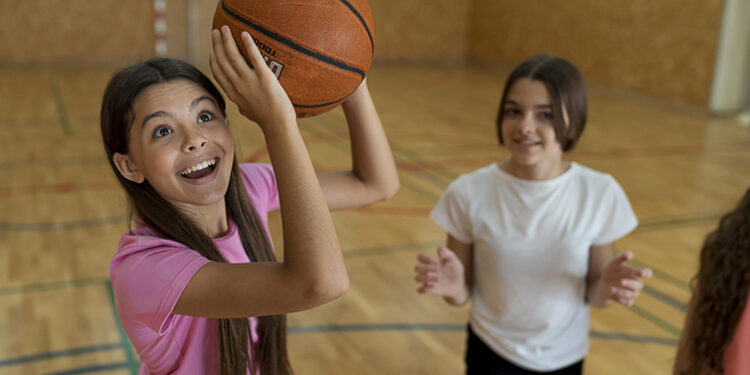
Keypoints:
(205, 116)
(162, 132)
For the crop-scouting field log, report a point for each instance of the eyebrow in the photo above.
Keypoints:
(193, 104)
(540, 106)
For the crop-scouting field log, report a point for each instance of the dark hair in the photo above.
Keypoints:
(566, 90)
(269, 354)
(722, 289)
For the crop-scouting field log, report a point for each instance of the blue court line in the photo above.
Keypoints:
(334, 328)
(58, 354)
(633, 338)
(90, 369)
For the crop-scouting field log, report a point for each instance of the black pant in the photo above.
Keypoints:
(481, 360)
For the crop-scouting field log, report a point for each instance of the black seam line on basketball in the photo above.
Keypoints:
(361, 20)
(291, 44)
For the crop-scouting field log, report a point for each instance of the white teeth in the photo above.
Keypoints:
(198, 166)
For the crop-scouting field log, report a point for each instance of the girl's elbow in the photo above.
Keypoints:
(325, 291)
(392, 189)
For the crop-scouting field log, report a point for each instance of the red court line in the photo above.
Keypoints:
(64, 188)
(399, 211)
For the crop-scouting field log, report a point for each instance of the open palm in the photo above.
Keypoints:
(441, 276)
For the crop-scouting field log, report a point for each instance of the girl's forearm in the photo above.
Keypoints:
(311, 247)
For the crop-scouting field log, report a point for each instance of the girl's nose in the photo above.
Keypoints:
(194, 141)
(527, 123)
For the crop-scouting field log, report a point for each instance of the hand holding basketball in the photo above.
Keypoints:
(252, 86)
(320, 50)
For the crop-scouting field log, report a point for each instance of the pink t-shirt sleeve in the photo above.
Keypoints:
(148, 276)
(260, 182)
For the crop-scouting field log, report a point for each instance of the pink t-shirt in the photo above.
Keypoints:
(736, 358)
(149, 273)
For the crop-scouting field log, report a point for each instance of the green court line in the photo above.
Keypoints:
(410, 183)
(655, 320)
(662, 275)
(133, 365)
(62, 112)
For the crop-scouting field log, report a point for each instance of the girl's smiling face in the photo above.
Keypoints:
(181, 144)
(528, 129)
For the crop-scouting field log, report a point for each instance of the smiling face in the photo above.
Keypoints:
(181, 144)
(528, 129)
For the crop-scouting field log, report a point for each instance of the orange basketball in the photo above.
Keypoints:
(320, 50)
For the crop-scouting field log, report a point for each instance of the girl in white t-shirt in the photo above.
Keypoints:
(531, 238)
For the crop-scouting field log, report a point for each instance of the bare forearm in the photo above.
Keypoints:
(310, 242)
(371, 154)
(594, 294)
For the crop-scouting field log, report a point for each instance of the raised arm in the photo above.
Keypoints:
(373, 176)
(313, 270)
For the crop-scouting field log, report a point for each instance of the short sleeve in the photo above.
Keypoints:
(618, 217)
(260, 182)
(148, 280)
(451, 212)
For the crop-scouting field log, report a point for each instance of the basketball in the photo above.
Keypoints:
(320, 50)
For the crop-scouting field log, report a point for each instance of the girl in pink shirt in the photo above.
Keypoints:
(197, 286)
(716, 338)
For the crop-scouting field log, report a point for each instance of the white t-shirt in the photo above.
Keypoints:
(531, 251)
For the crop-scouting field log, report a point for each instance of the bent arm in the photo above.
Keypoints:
(373, 176)
(465, 253)
(598, 258)
(313, 270)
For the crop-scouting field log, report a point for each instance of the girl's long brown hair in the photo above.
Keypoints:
(722, 289)
(269, 354)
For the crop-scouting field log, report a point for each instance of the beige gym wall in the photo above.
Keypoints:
(665, 49)
(75, 31)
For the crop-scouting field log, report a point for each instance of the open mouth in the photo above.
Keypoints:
(528, 143)
(200, 170)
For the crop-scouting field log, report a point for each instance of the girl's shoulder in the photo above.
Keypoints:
(593, 177)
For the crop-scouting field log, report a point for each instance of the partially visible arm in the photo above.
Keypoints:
(610, 280)
(465, 253)
(684, 351)
(373, 176)
(598, 258)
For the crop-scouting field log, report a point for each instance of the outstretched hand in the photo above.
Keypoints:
(441, 276)
(621, 283)
(249, 83)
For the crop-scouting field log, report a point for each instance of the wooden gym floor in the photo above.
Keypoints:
(62, 213)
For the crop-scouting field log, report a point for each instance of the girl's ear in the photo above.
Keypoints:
(127, 167)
